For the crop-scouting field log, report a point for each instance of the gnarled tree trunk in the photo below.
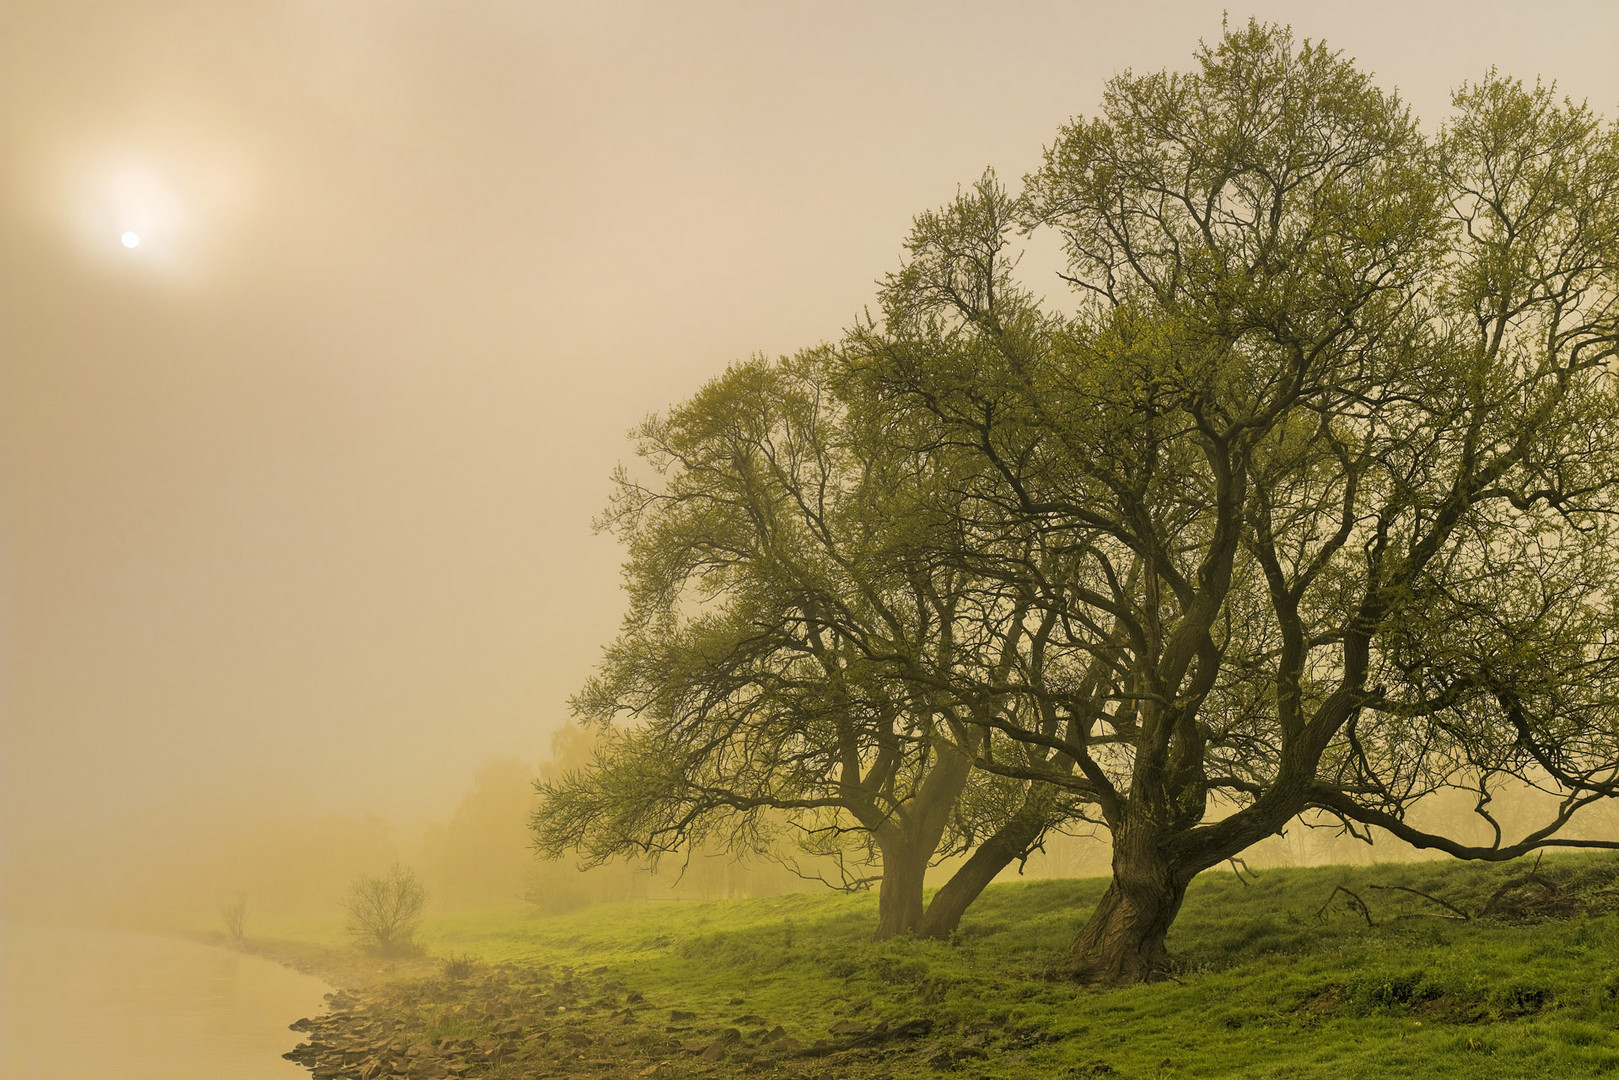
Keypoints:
(1123, 941)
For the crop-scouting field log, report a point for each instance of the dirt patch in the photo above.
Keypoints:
(1322, 1003)
(1452, 1009)
(1555, 892)
(1421, 1002)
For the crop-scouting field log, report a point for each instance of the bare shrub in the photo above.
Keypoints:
(234, 915)
(385, 911)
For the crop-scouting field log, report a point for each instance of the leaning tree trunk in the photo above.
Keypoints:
(1123, 941)
(1011, 841)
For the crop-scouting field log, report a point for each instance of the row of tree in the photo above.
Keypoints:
(1305, 504)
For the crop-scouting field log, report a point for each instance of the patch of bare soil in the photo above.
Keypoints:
(1555, 893)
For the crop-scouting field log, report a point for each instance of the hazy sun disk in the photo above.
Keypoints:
(132, 239)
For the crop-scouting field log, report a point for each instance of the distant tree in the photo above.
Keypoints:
(385, 911)
(480, 857)
(706, 871)
(234, 916)
(1321, 473)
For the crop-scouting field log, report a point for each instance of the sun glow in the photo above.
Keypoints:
(167, 211)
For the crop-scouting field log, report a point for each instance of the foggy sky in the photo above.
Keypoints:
(295, 497)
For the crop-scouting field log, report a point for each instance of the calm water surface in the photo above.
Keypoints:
(83, 1004)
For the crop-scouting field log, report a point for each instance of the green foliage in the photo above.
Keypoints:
(1305, 503)
(786, 594)
(1261, 434)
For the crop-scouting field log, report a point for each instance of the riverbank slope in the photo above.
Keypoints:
(1387, 971)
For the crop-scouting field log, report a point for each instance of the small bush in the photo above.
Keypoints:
(897, 971)
(1390, 992)
(234, 915)
(385, 911)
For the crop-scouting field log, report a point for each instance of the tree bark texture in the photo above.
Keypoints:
(899, 897)
(1123, 941)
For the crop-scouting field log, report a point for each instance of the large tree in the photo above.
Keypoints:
(791, 608)
(1321, 465)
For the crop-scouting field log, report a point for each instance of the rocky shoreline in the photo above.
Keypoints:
(510, 1021)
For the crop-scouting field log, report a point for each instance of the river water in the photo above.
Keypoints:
(101, 1005)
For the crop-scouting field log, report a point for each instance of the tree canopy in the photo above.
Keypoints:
(790, 617)
(1305, 501)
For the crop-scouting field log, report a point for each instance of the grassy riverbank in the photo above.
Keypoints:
(1280, 976)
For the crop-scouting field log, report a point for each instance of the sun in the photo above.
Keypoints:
(132, 239)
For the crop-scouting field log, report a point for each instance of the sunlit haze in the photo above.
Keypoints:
(322, 326)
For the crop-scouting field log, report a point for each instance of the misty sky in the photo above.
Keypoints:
(295, 496)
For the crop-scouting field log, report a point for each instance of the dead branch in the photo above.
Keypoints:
(1458, 912)
(1355, 904)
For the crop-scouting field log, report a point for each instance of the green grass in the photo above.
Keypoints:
(1273, 980)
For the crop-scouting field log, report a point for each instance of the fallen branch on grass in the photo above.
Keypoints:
(1458, 913)
(1355, 904)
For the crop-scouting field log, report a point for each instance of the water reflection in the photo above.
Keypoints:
(111, 1006)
